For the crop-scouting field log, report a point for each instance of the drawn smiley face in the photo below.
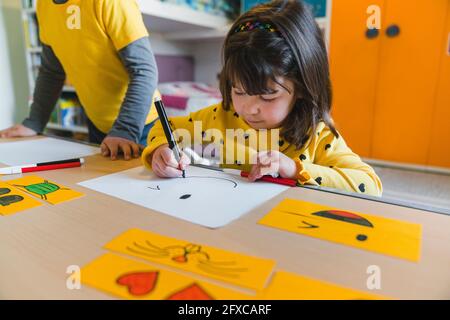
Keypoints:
(336, 215)
(185, 188)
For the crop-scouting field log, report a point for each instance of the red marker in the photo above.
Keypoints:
(53, 165)
(283, 181)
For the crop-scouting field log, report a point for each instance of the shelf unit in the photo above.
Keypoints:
(177, 23)
(172, 24)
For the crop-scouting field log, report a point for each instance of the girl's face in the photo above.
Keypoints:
(265, 111)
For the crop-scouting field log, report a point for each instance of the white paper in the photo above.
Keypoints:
(211, 198)
(42, 150)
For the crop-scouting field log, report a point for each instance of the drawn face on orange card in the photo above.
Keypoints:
(228, 266)
(374, 233)
(309, 221)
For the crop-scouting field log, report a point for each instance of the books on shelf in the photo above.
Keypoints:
(68, 114)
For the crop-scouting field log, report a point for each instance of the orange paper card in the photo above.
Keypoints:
(46, 190)
(13, 200)
(290, 286)
(374, 233)
(231, 267)
(129, 279)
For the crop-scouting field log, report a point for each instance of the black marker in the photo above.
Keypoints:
(167, 130)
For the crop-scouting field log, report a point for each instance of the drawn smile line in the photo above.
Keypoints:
(229, 180)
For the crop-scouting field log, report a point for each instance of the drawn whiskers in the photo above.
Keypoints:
(148, 252)
(228, 272)
(188, 253)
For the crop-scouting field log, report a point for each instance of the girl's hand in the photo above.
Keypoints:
(273, 162)
(165, 165)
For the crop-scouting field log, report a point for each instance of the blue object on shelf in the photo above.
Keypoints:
(319, 7)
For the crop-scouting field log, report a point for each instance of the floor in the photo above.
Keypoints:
(415, 187)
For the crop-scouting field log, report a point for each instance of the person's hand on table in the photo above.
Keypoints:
(17, 131)
(113, 146)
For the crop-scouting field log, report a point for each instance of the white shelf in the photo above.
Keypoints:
(167, 18)
(34, 49)
(29, 11)
(218, 33)
(68, 89)
(76, 129)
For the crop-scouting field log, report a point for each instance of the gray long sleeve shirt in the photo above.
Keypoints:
(140, 63)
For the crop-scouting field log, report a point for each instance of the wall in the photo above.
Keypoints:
(13, 72)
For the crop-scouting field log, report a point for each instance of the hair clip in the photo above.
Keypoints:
(249, 26)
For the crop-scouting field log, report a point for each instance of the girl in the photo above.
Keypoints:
(275, 79)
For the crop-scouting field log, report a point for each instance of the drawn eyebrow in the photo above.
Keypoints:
(157, 188)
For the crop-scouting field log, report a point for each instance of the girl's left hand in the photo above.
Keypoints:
(273, 162)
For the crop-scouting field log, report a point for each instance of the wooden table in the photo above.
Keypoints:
(37, 245)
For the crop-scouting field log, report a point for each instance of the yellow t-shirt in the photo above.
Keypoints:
(325, 160)
(86, 36)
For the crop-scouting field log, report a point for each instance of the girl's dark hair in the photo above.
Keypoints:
(296, 51)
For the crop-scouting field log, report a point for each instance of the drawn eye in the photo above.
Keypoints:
(185, 196)
(361, 237)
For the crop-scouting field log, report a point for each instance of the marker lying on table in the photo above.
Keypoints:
(167, 130)
(43, 166)
(282, 181)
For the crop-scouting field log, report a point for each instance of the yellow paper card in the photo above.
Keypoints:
(129, 279)
(374, 233)
(231, 267)
(289, 286)
(46, 190)
(13, 200)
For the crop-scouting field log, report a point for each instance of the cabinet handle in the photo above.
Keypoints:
(393, 31)
(372, 33)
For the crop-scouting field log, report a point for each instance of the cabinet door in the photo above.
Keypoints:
(408, 77)
(440, 139)
(354, 68)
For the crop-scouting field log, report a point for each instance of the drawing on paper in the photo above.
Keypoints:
(6, 199)
(187, 253)
(139, 283)
(337, 215)
(42, 189)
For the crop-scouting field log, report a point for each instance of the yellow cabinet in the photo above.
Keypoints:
(386, 87)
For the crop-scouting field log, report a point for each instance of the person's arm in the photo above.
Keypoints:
(335, 165)
(140, 63)
(49, 84)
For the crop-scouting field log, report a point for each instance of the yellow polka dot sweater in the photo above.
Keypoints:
(323, 160)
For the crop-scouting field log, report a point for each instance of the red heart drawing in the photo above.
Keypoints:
(192, 292)
(139, 283)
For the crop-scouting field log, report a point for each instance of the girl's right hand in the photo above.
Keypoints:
(165, 165)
